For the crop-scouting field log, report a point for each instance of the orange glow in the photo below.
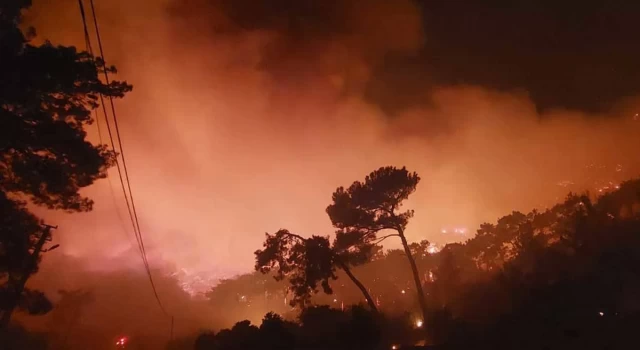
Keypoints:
(220, 151)
(122, 341)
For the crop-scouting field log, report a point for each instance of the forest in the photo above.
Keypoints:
(562, 278)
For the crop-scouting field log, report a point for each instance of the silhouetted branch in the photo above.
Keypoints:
(287, 233)
(385, 237)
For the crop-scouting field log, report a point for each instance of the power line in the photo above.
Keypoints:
(124, 163)
(97, 116)
(130, 206)
(111, 190)
(106, 116)
(115, 122)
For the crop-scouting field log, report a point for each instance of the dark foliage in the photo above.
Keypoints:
(16, 337)
(563, 278)
(363, 210)
(308, 264)
(359, 213)
(371, 206)
(205, 341)
(320, 328)
(47, 94)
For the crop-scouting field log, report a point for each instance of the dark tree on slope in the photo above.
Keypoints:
(363, 210)
(310, 263)
(47, 94)
(575, 264)
(205, 341)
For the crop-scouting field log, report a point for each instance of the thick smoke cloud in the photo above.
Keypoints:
(246, 115)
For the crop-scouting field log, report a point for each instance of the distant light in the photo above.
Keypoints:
(601, 313)
(394, 347)
(432, 248)
(402, 291)
(335, 300)
(419, 323)
(444, 231)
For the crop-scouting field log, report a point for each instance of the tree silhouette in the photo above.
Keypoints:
(308, 263)
(18, 233)
(276, 333)
(205, 341)
(563, 278)
(568, 275)
(366, 208)
(242, 336)
(17, 337)
(47, 94)
(273, 334)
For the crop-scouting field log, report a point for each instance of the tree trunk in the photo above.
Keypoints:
(360, 286)
(416, 277)
(347, 270)
(18, 288)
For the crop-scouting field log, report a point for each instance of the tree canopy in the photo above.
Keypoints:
(372, 206)
(366, 208)
(47, 94)
(308, 264)
(575, 263)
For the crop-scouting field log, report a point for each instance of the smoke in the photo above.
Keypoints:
(246, 115)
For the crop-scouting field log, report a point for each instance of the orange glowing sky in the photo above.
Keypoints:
(232, 133)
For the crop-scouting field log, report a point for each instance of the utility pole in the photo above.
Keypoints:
(30, 264)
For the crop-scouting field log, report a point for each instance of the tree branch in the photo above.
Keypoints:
(385, 237)
(287, 233)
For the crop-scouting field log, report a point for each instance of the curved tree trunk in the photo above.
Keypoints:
(416, 276)
(347, 270)
(359, 284)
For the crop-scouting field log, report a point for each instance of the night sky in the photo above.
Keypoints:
(565, 54)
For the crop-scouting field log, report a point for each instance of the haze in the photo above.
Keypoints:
(234, 130)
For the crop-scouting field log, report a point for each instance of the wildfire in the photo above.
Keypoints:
(455, 230)
(195, 283)
(433, 248)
